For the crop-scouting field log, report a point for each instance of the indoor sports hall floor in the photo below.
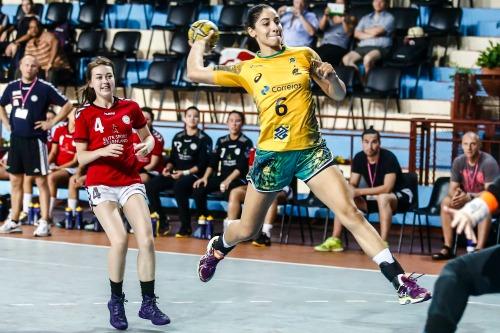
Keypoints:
(53, 286)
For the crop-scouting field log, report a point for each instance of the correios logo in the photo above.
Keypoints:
(286, 87)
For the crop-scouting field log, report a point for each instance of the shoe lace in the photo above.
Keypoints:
(118, 307)
(152, 302)
(411, 284)
(211, 259)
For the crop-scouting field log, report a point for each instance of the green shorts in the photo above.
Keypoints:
(271, 170)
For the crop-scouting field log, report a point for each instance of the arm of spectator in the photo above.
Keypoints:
(325, 20)
(202, 182)
(4, 119)
(232, 176)
(281, 11)
(387, 187)
(167, 170)
(54, 47)
(54, 150)
(62, 114)
(88, 156)
(361, 35)
(375, 31)
(310, 27)
(155, 159)
(71, 164)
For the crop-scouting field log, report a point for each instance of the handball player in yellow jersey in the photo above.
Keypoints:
(290, 143)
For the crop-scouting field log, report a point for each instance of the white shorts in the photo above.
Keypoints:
(71, 171)
(120, 194)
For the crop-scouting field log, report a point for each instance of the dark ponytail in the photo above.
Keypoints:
(88, 93)
(253, 15)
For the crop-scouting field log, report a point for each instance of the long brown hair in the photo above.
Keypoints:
(88, 93)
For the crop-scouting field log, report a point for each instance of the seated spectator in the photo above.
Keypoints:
(16, 47)
(187, 162)
(374, 33)
(62, 159)
(44, 46)
(152, 164)
(236, 199)
(75, 182)
(299, 24)
(337, 36)
(228, 165)
(471, 173)
(385, 193)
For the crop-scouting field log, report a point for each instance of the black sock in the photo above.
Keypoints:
(116, 288)
(148, 288)
(219, 246)
(391, 272)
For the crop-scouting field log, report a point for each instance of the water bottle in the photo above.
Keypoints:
(209, 231)
(36, 213)
(79, 218)
(471, 246)
(68, 218)
(201, 230)
(154, 223)
(31, 214)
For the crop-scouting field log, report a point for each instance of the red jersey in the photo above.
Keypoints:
(67, 149)
(142, 161)
(100, 127)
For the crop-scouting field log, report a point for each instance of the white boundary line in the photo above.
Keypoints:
(198, 255)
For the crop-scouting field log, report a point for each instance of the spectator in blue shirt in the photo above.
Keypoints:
(337, 36)
(30, 99)
(299, 24)
(374, 33)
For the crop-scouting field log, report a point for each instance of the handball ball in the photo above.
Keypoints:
(200, 29)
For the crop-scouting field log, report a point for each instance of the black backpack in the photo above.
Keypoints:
(412, 50)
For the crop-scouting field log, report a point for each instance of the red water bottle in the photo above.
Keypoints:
(251, 156)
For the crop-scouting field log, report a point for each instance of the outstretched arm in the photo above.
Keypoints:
(196, 71)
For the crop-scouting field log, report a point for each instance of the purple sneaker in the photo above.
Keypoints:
(410, 292)
(116, 307)
(208, 263)
(149, 310)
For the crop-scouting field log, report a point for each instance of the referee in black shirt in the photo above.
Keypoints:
(30, 98)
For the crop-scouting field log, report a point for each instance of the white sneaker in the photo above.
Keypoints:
(43, 229)
(10, 227)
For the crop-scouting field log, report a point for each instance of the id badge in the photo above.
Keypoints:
(21, 113)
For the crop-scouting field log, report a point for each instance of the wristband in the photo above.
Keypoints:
(186, 172)
(490, 200)
(477, 209)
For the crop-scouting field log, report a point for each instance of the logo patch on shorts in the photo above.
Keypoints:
(96, 194)
(281, 133)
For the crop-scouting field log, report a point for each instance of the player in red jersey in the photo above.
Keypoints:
(104, 144)
(152, 164)
(62, 158)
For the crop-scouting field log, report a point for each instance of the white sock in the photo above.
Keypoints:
(266, 228)
(72, 204)
(383, 256)
(26, 201)
(226, 245)
(51, 205)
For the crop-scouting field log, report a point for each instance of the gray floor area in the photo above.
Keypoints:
(56, 287)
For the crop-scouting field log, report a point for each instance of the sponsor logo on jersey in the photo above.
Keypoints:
(126, 119)
(287, 87)
(115, 128)
(193, 146)
(264, 90)
(292, 60)
(257, 77)
(281, 133)
(34, 98)
(295, 71)
(109, 113)
(237, 151)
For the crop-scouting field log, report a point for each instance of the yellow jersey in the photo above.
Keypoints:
(280, 86)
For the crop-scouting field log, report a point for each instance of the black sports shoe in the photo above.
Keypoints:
(262, 241)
